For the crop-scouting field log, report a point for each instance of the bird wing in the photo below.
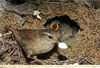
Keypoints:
(27, 34)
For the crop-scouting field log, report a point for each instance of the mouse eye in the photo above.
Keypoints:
(50, 37)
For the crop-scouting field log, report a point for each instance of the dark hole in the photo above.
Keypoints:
(62, 58)
(64, 22)
(16, 2)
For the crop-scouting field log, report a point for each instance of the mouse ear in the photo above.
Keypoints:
(54, 26)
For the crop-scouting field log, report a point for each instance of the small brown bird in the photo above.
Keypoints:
(36, 42)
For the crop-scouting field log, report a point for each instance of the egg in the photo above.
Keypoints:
(62, 45)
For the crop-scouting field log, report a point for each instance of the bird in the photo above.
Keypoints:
(35, 42)
(64, 25)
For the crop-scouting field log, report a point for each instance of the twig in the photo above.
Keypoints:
(88, 61)
(12, 51)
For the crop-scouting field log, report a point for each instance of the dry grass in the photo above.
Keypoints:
(85, 46)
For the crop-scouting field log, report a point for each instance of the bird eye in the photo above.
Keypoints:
(50, 37)
(54, 26)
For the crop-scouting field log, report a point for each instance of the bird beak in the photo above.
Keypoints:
(57, 41)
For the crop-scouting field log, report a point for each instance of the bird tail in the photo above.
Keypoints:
(9, 30)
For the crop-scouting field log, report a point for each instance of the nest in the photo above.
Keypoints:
(84, 47)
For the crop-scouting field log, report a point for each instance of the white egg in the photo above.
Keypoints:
(62, 45)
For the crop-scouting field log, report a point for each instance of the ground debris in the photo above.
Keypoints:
(86, 42)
